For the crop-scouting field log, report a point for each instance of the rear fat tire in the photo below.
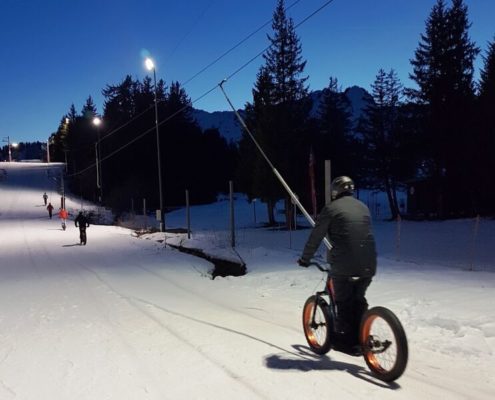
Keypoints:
(318, 339)
(386, 366)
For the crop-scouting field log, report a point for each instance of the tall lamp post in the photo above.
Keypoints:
(99, 185)
(150, 65)
(14, 145)
(7, 139)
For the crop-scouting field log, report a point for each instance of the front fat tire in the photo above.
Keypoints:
(318, 339)
(391, 364)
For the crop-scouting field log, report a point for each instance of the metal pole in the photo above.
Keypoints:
(287, 213)
(48, 151)
(328, 191)
(100, 180)
(63, 191)
(232, 223)
(162, 216)
(8, 146)
(144, 214)
(295, 217)
(254, 210)
(188, 216)
(328, 180)
(97, 168)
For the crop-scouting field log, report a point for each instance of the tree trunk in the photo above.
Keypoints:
(393, 207)
(289, 214)
(271, 214)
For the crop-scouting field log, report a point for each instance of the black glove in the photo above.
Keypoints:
(303, 263)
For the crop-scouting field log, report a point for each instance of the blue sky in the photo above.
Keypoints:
(58, 52)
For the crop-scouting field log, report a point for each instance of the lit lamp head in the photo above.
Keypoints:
(96, 121)
(150, 65)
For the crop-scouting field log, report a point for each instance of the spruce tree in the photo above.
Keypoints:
(487, 81)
(484, 158)
(281, 134)
(335, 127)
(254, 174)
(383, 136)
(443, 69)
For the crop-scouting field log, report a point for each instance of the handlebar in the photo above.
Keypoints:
(319, 266)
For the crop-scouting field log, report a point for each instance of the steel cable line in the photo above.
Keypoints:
(237, 45)
(267, 47)
(198, 18)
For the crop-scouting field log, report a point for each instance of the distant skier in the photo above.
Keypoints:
(63, 214)
(45, 197)
(82, 222)
(50, 209)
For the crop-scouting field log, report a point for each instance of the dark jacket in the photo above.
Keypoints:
(347, 222)
(82, 221)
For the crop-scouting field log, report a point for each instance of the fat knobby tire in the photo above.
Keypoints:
(318, 346)
(385, 373)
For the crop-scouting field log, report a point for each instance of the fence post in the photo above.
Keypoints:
(188, 216)
(328, 191)
(254, 210)
(145, 214)
(397, 245)
(287, 215)
(473, 244)
(232, 222)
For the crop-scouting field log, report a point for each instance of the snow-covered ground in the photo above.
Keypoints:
(126, 318)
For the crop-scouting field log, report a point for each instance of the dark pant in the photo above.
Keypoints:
(82, 234)
(349, 295)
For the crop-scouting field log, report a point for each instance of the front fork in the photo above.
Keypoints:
(313, 323)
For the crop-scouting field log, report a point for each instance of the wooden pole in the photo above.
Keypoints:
(145, 215)
(232, 222)
(328, 191)
(473, 244)
(188, 215)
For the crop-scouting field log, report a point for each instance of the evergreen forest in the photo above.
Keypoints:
(437, 140)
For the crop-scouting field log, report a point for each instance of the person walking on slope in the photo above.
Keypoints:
(82, 222)
(347, 222)
(63, 214)
(45, 197)
(50, 210)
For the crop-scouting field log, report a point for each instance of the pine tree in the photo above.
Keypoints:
(284, 60)
(89, 109)
(487, 82)
(443, 69)
(382, 133)
(254, 175)
(335, 140)
(484, 158)
(283, 116)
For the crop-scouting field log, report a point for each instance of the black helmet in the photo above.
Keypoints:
(342, 185)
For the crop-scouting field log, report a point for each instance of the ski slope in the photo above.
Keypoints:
(126, 318)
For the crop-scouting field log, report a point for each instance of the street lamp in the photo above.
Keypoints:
(7, 139)
(150, 65)
(97, 122)
(14, 145)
